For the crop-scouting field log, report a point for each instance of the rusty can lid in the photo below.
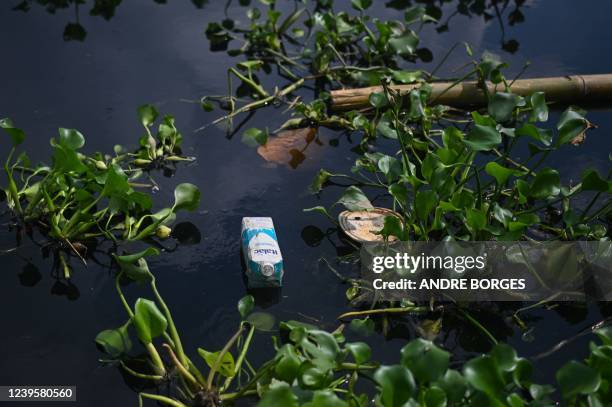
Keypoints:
(363, 225)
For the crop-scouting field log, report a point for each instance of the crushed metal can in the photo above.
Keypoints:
(262, 256)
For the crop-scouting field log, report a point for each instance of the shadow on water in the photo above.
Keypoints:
(168, 59)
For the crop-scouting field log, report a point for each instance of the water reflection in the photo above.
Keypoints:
(506, 13)
(74, 30)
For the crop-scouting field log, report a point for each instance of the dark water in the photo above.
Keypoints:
(53, 75)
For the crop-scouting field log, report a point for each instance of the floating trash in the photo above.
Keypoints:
(262, 256)
(363, 226)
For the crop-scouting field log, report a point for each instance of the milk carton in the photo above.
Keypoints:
(262, 256)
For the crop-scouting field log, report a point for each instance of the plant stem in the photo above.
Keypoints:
(240, 359)
(226, 348)
(162, 399)
(353, 314)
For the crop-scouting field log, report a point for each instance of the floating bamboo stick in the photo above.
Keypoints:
(586, 89)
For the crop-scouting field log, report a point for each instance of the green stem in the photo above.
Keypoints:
(162, 399)
(226, 348)
(353, 314)
(158, 365)
(240, 359)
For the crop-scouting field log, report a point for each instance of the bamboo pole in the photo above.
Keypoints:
(591, 89)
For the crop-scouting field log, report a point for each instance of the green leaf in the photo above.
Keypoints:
(71, 138)
(135, 266)
(246, 305)
(414, 13)
(393, 227)
(226, 366)
(576, 378)
(540, 109)
(262, 321)
(288, 363)
(499, 172)
(319, 181)
(363, 326)
(254, 137)
(17, 135)
(148, 320)
(378, 99)
(385, 127)
(114, 342)
(435, 397)
(354, 199)
(571, 124)
(318, 209)
(390, 166)
(279, 395)
(186, 197)
(454, 385)
(360, 350)
(484, 375)
(361, 5)
(482, 138)
(426, 361)
(544, 136)
(426, 201)
(546, 183)
(502, 104)
(505, 356)
(591, 181)
(148, 114)
(325, 398)
(405, 44)
(396, 385)
(313, 377)
(406, 76)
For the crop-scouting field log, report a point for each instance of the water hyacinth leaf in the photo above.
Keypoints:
(544, 136)
(17, 135)
(288, 363)
(405, 44)
(540, 109)
(482, 138)
(414, 13)
(605, 335)
(361, 5)
(279, 395)
(186, 197)
(540, 392)
(246, 305)
(385, 127)
(454, 385)
(571, 125)
(502, 104)
(576, 378)
(484, 375)
(363, 326)
(254, 137)
(378, 99)
(116, 182)
(114, 342)
(505, 356)
(312, 377)
(426, 201)
(147, 114)
(226, 366)
(360, 350)
(591, 181)
(263, 321)
(406, 76)
(325, 398)
(71, 138)
(390, 166)
(416, 110)
(435, 397)
(393, 227)
(427, 362)
(499, 172)
(135, 266)
(320, 180)
(148, 320)
(354, 199)
(396, 385)
(546, 183)
(318, 209)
